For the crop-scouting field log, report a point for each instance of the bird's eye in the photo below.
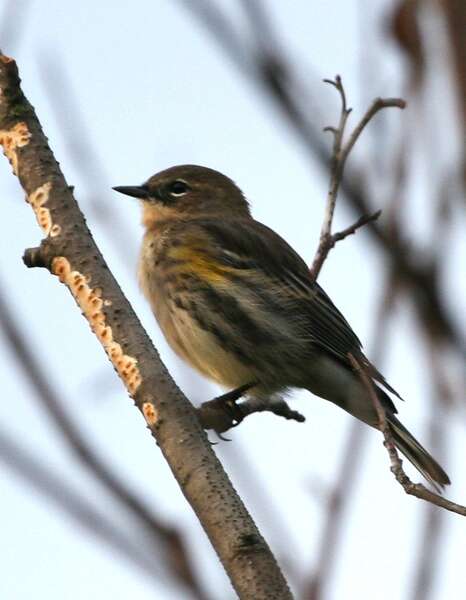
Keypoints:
(178, 188)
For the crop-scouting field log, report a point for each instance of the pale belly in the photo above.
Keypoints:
(201, 349)
(198, 347)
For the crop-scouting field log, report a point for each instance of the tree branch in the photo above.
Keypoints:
(413, 489)
(69, 252)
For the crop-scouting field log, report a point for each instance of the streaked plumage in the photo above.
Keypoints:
(237, 302)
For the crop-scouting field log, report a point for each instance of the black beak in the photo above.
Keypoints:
(136, 191)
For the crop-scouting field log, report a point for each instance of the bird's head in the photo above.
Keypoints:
(188, 191)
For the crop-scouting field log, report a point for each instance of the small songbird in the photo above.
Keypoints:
(237, 303)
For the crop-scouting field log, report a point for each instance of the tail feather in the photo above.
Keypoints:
(416, 454)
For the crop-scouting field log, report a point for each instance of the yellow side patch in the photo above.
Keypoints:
(201, 265)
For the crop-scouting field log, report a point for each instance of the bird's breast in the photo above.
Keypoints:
(177, 301)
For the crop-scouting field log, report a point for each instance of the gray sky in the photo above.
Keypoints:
(153, 90)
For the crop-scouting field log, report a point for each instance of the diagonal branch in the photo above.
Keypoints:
(69, 252)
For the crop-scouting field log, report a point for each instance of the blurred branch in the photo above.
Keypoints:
(455, 14)
(35, 474)
(266, 65)
(336, 503)
(413, 489)
(73, 127)
(13, 22)
(430, 543)
(345, 479)
(69, 252)
(177, 558)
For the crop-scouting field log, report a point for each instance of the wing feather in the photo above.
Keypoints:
(256, 254)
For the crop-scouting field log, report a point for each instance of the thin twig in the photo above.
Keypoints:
(336, 165)
(364, 220)
(340, 153)
(377, 105)
(413, 489)
(327, 243)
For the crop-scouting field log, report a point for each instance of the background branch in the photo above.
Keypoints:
(176, 555)
(266, 65)
(26, 466)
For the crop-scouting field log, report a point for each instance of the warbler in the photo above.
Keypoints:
(238, 304)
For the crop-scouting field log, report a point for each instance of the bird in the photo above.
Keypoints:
(238, 304)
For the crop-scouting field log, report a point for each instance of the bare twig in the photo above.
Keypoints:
(377, 105)
(364, 220)
(13, 23)
(340, 153)
(336, 171)
(413, 489)
(326, 243)
(69, 252)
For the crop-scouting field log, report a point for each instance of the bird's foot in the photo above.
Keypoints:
(224, 412)
(282, 409)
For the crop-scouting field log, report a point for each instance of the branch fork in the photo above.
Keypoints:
(340, 153)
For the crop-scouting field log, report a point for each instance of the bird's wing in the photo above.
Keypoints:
(249, 247)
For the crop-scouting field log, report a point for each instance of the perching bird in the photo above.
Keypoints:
(237, 303)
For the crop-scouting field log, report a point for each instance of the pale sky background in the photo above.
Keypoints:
(154, 90)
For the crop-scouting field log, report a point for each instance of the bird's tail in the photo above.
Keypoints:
(416, 454)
